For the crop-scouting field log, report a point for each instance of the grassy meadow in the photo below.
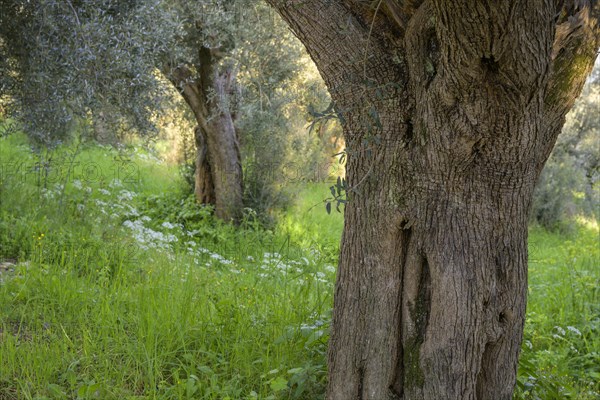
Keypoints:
(115, 285)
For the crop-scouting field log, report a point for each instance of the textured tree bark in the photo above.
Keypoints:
(204, 188)
(450, 110)
(218, 174)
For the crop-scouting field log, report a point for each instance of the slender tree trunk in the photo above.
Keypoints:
(218, 174)
(450, 110)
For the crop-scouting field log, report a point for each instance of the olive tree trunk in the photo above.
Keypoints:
(218, 174)
(450, 110)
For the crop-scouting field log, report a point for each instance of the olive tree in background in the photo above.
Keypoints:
(95, 64)
(231, 63)
(450, 110)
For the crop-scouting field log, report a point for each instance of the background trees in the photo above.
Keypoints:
(94, 66)
(235, 65)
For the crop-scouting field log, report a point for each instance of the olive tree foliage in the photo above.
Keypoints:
(569, 185)
(65, 63)
(274, 97)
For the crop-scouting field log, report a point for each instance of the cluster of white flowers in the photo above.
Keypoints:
(561, 332)
(215, 257)
(329, 268)
(115, 210)
(169, 225)
(274, 264)
(148, 238)
(51, 193)
(212, 258)
(126, 195)
(48, 193)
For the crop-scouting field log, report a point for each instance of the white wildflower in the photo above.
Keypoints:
(167, 225)
(126, 195)
(48, 194)
(574, 330)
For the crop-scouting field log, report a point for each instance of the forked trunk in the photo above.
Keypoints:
(450, 110)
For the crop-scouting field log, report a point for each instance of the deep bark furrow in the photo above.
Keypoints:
(397, 385)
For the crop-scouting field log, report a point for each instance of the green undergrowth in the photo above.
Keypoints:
(560, 357)
(123, 288)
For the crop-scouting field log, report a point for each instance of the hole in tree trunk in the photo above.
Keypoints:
(489, 64)
(502, 318)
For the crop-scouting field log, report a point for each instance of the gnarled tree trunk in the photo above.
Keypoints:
(218, 175)
(450, 110)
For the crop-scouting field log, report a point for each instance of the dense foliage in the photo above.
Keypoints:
(66, 64)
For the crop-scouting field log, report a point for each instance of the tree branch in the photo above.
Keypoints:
(575, 48)
(334, 37)
(361, 67)
(396, 13)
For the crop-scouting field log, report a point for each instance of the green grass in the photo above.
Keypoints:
(125, 289)
(106, 304)
(561, 350)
